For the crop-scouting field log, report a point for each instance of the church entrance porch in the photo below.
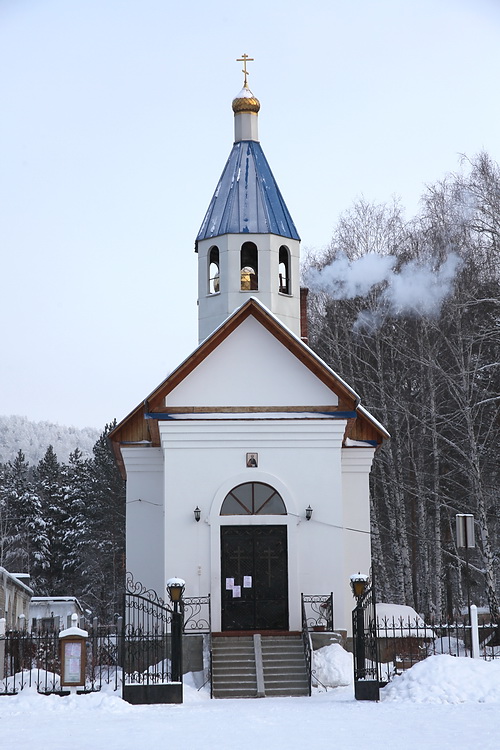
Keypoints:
(254, 573)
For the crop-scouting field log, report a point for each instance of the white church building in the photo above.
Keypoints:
(248, 467)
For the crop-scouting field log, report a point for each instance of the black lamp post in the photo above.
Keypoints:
(175, 588)
(359, 584)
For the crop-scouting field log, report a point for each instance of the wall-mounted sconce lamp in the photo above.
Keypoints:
(309, 512)
(197, 514)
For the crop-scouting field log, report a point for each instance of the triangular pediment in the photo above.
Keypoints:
(250, 368)
(251, 362)
(256, 358)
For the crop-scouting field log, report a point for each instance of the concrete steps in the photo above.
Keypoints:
(233, 668)
(258, 666)
(284, 666)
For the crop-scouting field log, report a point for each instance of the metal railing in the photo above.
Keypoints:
(317, 610)
(34, 660)
(137, 649)
(306, 640)
(403, 642)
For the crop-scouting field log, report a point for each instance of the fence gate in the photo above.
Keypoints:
(365, 647)
(147, 648)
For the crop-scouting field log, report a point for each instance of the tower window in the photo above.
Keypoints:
(213, 271)
(249, 265)
(284, 270)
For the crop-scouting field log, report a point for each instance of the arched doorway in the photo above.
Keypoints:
(254, 561)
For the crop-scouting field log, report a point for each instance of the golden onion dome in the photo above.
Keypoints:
(245, 101)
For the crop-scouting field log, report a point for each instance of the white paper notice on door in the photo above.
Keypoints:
(236, 592)
(229, 584)
(247, 582)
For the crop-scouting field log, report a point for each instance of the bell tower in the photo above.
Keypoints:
(247, 244)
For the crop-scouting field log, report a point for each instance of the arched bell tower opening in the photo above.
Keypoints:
(284, 270)
(213, 270)
(249, 267)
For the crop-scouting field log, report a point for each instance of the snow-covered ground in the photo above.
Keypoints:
(441, 703)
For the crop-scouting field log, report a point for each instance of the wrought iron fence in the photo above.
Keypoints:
(147, 642)
(33, 660)
(317, 609)
(306, 640)
(136, 649)
(197, 615)
(402, 642)
(147, 633)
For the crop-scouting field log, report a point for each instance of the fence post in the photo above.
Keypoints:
(474, 632)
(2, 647)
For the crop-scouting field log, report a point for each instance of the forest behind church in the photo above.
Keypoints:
(63, 521)
(408, 313)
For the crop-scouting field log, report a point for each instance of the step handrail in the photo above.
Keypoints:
(306, 640)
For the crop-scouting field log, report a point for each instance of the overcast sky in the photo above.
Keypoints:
(116, 122)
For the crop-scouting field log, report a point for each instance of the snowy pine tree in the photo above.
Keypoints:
(24, 534)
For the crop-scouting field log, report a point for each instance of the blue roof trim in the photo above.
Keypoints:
(340, 414)
(247, 199)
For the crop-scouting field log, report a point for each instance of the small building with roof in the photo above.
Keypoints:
(54, 613)
(15, 596)
(248, 467)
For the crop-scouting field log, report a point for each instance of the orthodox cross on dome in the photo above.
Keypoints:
(244, 59)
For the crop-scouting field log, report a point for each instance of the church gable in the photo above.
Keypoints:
(233, 376)
(250, 363)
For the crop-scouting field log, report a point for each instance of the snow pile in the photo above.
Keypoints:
(447, 679)
(332, 666)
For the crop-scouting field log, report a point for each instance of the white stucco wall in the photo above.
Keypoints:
(356, 465)
(251, 368)
(145, 515)
(213, 309)
(300, 458)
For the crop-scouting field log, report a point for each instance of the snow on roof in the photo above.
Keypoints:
(349, 443)
(55, 599)
(401, 621)
(13, 578)
(73, 631)
(372, 419)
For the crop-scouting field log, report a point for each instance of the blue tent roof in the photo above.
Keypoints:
(247, 198)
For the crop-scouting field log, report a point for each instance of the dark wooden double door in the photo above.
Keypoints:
(254, 567)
